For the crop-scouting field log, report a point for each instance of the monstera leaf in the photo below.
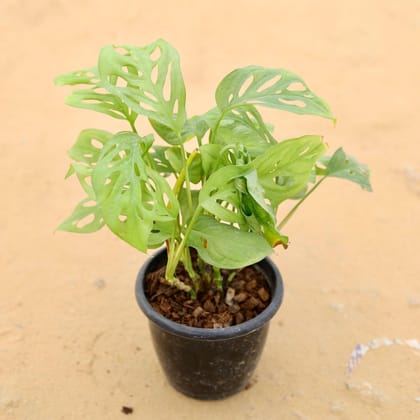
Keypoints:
(93, 97)
(134, 199)
(86, 218)
(285, 169)
(245, 126)
(150, 82)
(225, 246)
(220, 196)
(343, 166)
(272, 88)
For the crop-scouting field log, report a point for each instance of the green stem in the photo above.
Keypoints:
(300, 202)
(222, 115)
(218, 279)
(182, 175)
(185, 164)
(176, 256)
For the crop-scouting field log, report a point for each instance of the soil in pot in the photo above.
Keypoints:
(245, 294)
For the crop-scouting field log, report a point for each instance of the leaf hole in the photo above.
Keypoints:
(245, 86)
(121, 82)
(156, 54)
(269, 84)
(101, 91)
(150, 96)
(87, 180)
(176, 107)
(122, 218)
(147, 107)
(85, 221)
(167, 84)
(154, 74)
(304, 151)
(296, 102)
(296, 87)
(121, 50)
(96, 144)
(89, 203)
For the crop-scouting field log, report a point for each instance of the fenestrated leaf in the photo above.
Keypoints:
(285, 169)
(93, 97)
(86, 218)
(341, 165)
(78, 77)
(245, 126)
(162, 165)
(132, 196)
(211, 158)
(193, 127)
(150, 82)
(220, 195)
(224, 246)
(86, 152)
(273, 88)
(161, 231)
(88, 145)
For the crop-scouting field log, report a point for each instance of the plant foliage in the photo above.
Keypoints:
(222, 197)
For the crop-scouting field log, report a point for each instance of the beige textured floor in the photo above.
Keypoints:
(74, 345)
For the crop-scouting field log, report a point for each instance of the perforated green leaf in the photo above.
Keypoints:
(341, 165)
(284, 169)
(93, 97)
(273, 88)
(132, 196)
(245, 126)
(86, 218)
(85, 152)
(224, 246)
(149, 81)
(220, 195)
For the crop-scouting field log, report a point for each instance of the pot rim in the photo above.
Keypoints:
(266, 265)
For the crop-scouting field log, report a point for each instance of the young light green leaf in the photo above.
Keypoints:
(211, 158)
(245, 125)
(220, 195)
(132, 196)
(150, 82)
(86, 152)
(89, 145)
(93, 97)
(86, 218)
(284, 169)
(272, 88)
(341, 165)
(224, 246)
(78, 77)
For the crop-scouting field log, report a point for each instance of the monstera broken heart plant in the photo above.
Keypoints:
(210, 190)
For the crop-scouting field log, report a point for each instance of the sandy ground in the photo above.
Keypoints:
(74, 345)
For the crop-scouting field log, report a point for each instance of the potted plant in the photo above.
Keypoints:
(209, 189)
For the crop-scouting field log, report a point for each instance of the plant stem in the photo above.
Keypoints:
(182, 175)
(218, 279)
(185, 164)
(176, 255)
(294, 209)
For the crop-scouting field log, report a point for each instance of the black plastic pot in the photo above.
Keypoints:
(209, 364)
